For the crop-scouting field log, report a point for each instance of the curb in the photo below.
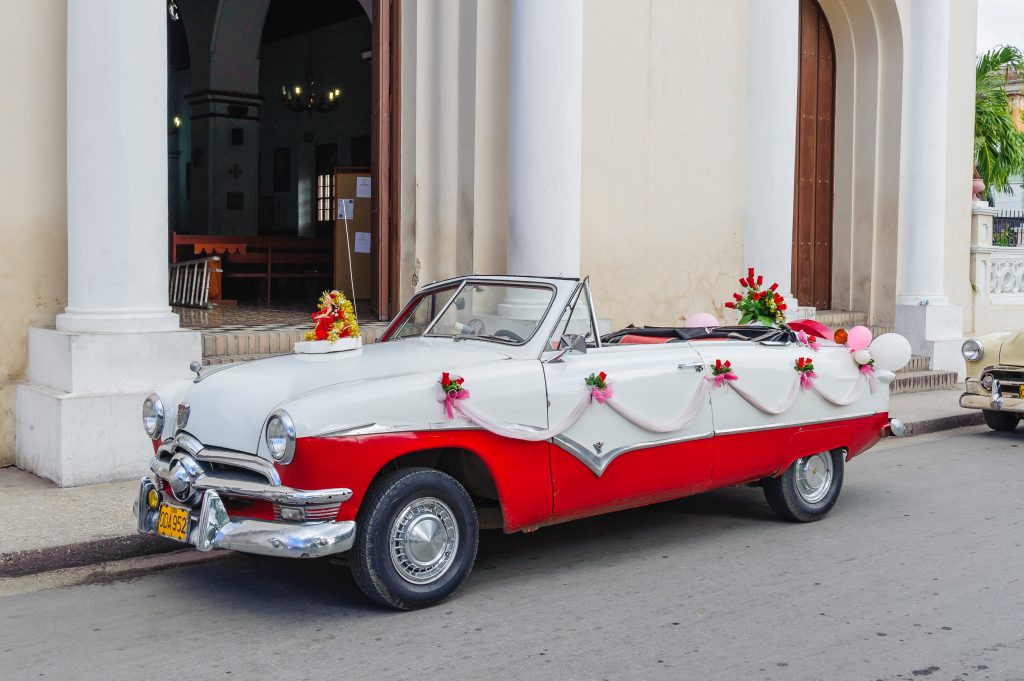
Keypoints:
(32, 561)
(968, 418)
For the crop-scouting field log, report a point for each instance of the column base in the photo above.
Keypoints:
(78, 419)
(80, 439)
(935, 331)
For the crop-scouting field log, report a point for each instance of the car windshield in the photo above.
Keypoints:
(498, 312)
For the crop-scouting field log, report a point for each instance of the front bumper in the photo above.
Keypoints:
(994, 399)
(210, 526)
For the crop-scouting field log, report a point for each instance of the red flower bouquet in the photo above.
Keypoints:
(765, 306)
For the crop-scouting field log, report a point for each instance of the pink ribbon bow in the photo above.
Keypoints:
(867, 369)
(449, 400)
(600, 395)
(720, 379)
(804, 338)
(807, 379)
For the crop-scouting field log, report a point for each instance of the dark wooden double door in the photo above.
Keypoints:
(812, 210)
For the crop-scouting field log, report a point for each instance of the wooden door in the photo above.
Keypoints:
(812, 210)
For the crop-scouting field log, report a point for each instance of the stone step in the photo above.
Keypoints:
(917, 363)
(258, 342)
(922, 381)
(841, 318)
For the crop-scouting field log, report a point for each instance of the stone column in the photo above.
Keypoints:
(924, 314)
(78, 418)
(772, 73)
(545, 137)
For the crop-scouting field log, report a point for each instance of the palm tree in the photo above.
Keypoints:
(998, 144)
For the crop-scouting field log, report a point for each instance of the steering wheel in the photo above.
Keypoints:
(511, 335)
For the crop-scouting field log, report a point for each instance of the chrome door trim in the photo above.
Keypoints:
(598, 463)
(792, 424)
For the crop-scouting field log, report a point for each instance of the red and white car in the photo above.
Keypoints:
(540, 420)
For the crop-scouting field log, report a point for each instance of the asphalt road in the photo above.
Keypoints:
(918, 573)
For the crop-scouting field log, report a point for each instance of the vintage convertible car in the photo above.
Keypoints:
(491, 401)
(995, 378)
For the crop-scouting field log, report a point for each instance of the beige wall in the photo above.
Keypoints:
(33, 208)
(663, 156)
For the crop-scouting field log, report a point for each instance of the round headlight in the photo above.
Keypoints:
(153, 417)
(972, 350)
(281, 436)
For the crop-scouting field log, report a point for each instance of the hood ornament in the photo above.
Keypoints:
(196, 367)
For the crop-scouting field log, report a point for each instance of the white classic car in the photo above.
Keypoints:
(491, 401)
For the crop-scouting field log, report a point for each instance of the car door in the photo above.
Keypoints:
(605, 460)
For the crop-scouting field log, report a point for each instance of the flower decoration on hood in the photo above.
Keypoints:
(335, 318)
(764, 306)
(805, 367)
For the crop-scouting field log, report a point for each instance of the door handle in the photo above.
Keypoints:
(696, 366)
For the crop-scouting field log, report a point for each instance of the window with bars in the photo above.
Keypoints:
(325, 197)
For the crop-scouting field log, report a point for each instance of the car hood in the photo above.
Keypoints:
(1011, 350)
(229, 407)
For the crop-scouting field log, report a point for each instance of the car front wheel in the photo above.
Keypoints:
(1000, 420)
(416, 539)
(809, 488)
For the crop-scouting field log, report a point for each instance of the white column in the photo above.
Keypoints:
(545, 137)
(117, 168)
(923, 312)
(772, 74)
(78, 414)
(922, 240)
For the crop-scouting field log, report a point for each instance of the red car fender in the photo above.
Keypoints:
(857, 435)
(521, 470)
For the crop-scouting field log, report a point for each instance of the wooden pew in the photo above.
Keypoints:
(263, 258)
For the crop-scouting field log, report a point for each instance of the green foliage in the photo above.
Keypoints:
(998, 144)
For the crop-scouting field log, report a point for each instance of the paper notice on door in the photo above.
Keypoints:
(346, 208)
(362, 187)
(362, 242)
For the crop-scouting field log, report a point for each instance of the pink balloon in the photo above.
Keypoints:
(701, 319)
(858, 338)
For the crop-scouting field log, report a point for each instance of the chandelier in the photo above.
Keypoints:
(305, 97)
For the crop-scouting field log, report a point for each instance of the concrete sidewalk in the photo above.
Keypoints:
(44, 527)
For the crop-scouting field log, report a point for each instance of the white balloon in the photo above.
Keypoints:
(891, 351)
(862, 357)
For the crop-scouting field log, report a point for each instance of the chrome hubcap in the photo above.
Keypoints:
(424, 539)
(814, 477)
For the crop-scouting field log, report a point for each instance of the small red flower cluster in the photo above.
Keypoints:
(721, 367)
(755, 304)
(597, 381)
(451, 385)
(804, 364)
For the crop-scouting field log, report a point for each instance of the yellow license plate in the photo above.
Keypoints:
(173, 522)
(1020, 391)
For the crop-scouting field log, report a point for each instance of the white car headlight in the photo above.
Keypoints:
(153, 416)
(972, 350)
(280, 436)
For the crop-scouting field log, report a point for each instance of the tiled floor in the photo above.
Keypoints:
(243, 317)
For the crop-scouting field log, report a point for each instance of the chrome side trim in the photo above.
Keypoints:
(362, 429)
(791, 424)
(598, 463)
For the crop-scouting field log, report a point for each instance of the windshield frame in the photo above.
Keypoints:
(468, 281)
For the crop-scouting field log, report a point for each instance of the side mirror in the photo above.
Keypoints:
(570, 342)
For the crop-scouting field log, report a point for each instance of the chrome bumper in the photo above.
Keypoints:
(210, 527)
(977, 397)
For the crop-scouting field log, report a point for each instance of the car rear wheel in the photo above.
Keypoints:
(809, 488)
(416, 539)
(1001, 420)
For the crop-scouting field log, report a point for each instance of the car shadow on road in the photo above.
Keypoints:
(294, 586)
